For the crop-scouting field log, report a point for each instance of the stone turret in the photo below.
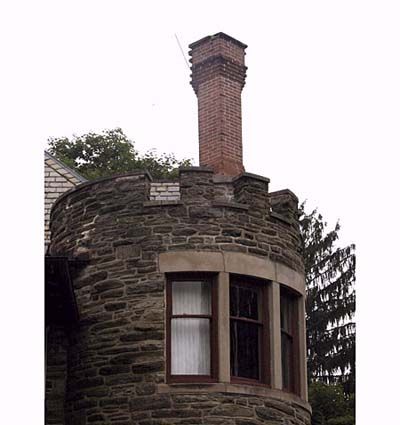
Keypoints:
(190, 297)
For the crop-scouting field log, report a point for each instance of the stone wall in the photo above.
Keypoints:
(214, 408)
(116, 359)
(56, 375)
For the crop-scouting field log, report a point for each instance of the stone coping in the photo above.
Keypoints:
(196, 169)
(124, 176)
(217, 35)
(280, 217)
(231, 262)
(283, 192)
(251, 176)
(224, 179)
(223, 387)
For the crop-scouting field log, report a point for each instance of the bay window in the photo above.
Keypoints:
(248, 316)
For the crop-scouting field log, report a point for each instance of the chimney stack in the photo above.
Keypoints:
(218, 77)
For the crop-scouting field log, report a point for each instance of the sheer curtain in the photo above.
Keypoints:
(190, 336)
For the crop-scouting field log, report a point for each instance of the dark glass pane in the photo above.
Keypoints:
(248, 303)
(286, 345)
(233, 300)
(244, 302)
(286, 314)
(245, 347)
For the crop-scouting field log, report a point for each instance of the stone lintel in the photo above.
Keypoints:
(231, 262)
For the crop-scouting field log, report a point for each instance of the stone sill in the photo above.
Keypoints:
(222, 387)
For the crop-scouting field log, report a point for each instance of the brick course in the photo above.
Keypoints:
(218, 76)
(164, 191)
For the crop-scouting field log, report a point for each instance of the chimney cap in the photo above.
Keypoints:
(217, 35)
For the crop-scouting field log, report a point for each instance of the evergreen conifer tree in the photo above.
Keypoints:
(330, 304)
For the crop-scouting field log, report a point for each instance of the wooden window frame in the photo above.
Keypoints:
(293, 299)
(213, 318)
(264, 322)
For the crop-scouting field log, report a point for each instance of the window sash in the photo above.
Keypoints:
(287, 361)
(212, 327)
(262, 323)
(289, 342)
(190, 346)
(236, 362)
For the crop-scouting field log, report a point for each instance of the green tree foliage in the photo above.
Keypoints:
(109, 153)
(330, 404)
(330, 305)
(330, 309)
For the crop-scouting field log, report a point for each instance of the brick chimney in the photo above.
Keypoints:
(218, 77)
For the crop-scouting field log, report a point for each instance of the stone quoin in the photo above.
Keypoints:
(214, 252)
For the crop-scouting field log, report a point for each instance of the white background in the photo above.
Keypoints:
(321, 110)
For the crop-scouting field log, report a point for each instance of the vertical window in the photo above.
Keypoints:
(191, 328)
(248, 330)
(289, 341)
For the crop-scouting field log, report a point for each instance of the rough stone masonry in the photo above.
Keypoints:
(116, 360)
(110, 368)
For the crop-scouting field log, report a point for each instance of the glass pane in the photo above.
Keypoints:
(190, 346)
(286, 344)
(286, 314)
(234, 300)
(243, 302)
(245, 347)
(248, 303)
(192, 297)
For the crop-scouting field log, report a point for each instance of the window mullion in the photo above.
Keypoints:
(223, 326)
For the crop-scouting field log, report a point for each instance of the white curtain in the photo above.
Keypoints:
(190, 337)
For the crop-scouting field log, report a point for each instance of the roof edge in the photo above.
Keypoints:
(69, 169)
